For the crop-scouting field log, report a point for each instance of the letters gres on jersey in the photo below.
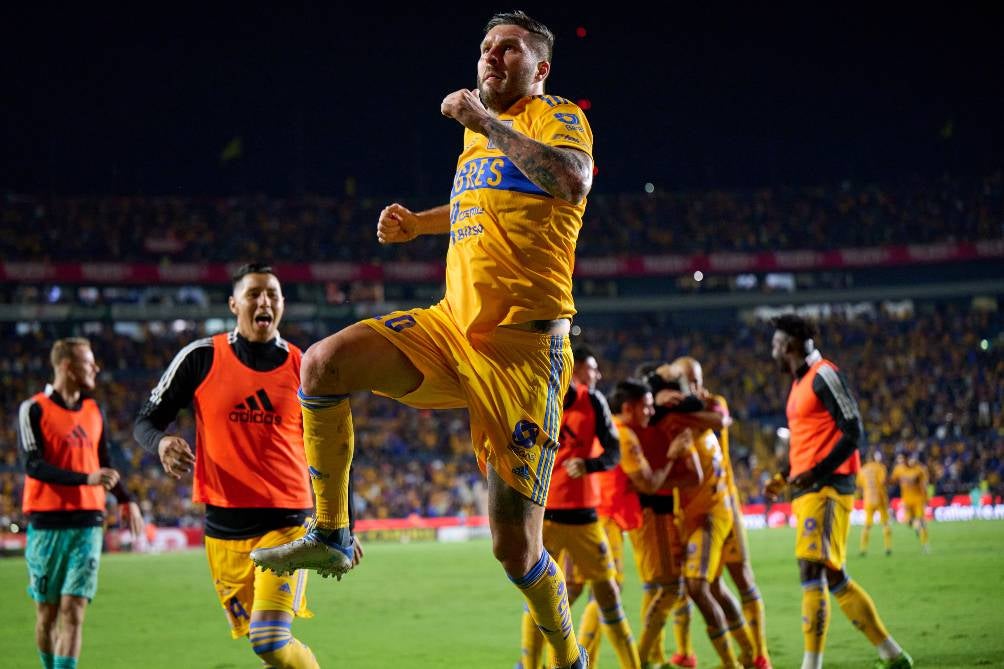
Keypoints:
(249, 429)
(511, 243)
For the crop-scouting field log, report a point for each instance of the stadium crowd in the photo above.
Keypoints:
(313, 228)
(924, 385)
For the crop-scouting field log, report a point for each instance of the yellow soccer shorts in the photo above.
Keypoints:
(657, 549)
(704, 538)
(511, 381)
(883, 511)
(914, 508)
(243, 588)
(734, 550)
(584, 546)
(823, 524)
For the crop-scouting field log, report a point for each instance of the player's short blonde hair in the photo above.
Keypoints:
(62, 349)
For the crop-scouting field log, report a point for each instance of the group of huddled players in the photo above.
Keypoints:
(655, 465)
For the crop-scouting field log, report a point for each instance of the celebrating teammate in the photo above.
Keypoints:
(61, 432)
(735, 554)
(497, 343)
(871, 482)
(249, 465)
(823, 455)
(911, 477)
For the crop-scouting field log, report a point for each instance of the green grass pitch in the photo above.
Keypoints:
(449, 605)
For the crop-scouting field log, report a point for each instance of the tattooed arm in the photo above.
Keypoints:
(565, 173)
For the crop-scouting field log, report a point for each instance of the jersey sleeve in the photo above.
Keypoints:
(563, 124)
(173, 392)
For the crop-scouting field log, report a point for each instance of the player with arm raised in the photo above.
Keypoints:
(497, 343)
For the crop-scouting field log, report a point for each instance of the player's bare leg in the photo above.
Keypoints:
(517, 542)
(355, 358)
(46, 616)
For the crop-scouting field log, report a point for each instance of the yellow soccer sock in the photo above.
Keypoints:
(756, 617)
(589, 632)
(656, 605)
(547, 600)
(887, 538)
(681, 626)
(274, 644)
(329, 442)
(815, 615)
(617, 629)
(720, 640)
(860, 610)
(531, 641)
(865, 532)
(923, 535)
(740, 631)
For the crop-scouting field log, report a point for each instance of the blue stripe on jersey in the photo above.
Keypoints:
(496, 173)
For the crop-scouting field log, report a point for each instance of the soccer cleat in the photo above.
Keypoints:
(583, 661)
(328, 556)
(904, 661)
(685, 661)
(762, 663)
(888, 552)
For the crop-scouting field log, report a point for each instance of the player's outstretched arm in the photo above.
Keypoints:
(398, 224)
(563, 172)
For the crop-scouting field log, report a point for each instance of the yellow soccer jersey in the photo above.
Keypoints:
(632, 457)
(912, 481)
(712, 491)
(512, 245)
(871, 481)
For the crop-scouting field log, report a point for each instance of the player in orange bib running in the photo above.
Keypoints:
(250, 469)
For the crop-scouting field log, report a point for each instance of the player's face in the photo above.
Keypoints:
(587, 373)
(779, 345)
(508, 67)
(258, 304)
(82, 369)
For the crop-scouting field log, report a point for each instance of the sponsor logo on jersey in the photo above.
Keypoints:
(250, 411)
(492, 173)
(76, 438)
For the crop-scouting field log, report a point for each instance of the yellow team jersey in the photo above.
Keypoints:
(512, 245)
(712, 491)
(912, 481)
(871, 482)
(632, 457)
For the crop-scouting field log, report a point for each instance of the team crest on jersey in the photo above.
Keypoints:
(809, 525)
(524, 434)
(491, 144)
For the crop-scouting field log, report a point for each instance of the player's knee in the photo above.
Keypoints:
(270, 640)
(314, 368)
(574, 589)
(810, 571)
(835, 578)
(71, 611)
(516, 557)
(698, 588)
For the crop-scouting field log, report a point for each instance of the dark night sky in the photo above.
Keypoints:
(144, 99)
